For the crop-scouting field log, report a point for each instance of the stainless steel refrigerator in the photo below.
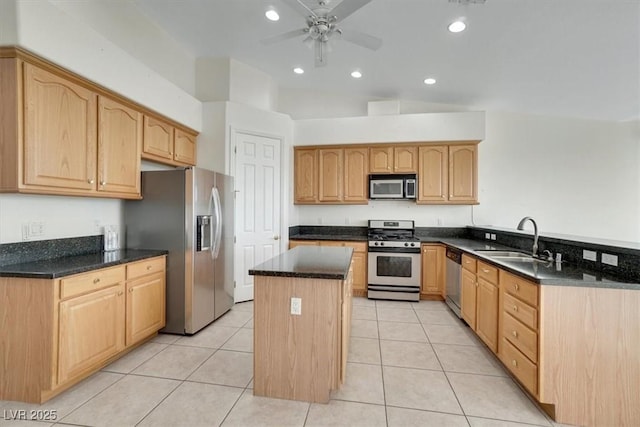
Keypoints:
(188, 212)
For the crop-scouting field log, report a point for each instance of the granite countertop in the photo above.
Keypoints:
(66, 266)
(308, 262)
(544, 273)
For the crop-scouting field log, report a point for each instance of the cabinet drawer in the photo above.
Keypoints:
(525, 371)
(521, 311)
(92, 281)
(357, 246)
(469, 263)
(520, 336)
(519, 288)
(487, 272)
(147, 266)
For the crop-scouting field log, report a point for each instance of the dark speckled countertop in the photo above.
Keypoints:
(308, 262)
(66, 266)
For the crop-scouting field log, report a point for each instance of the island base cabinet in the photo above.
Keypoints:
(589, 347)
(298, 357)
(91, 331)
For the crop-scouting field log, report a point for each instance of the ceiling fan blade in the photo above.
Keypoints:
(361, 39)
(320, 53)
(284, 36)
(346, 8)
(300, 7)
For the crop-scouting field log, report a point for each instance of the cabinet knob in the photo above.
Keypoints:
(484, 270)
(516, 286)
(515, 308)
(514, 362)
(515, 334)
(91, 181)
(120, 293)
(130, 290)
(103, 182)
(170, 153)
(476, 284)
(96, 280)
(149, 267)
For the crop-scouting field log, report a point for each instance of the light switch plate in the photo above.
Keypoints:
(296, 306)
(589, 255)
(610, 259)
(493, 236)
(487, 236)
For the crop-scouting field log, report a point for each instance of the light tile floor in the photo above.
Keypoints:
(409, 364)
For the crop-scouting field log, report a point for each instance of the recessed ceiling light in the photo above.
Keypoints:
(356, 74)
(272, 15)
(298, 70)
(430, 81)
(457, 26)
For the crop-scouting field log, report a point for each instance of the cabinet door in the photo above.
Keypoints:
(359, 261)
(330, 166)
(305, 175)
(119, 144)
(405, 159)
(60, 135)
(184, 148)
(463, 173)
(145, 307)
(468, 298)
(158, 138)
(294, 243)
(380, 159)
(432, 177)
(91, 330)
(356, 163)
(432, 280)
(487, 313)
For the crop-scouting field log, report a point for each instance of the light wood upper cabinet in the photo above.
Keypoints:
(119, 143)
(166, 144)
(60, 134)
(433, 166)
(381, 159)
(184, 147)
(405, 159)
(463, 173)
(330, 182)
(305, 175)
(356, 163)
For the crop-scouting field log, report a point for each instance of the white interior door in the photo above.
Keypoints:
(258, 204)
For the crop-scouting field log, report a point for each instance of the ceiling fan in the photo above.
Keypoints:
(321, 27)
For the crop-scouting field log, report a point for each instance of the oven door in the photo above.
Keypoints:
(386, 188)
(394, 269)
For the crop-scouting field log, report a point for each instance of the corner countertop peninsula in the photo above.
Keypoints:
(302, 319)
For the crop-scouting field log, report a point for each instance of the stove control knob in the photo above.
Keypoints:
(381, 243)
(413, 244)
(375, 243)
(406, 244)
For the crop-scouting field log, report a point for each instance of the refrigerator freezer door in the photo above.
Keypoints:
(200, 295)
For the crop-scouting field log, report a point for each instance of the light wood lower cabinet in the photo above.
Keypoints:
(75, 325)
(479, 299)
(359, 260)
(468, 297)
(433, 272)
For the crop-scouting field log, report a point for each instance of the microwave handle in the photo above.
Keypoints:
(412, 194)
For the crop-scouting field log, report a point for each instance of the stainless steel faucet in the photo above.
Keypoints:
(535, 233)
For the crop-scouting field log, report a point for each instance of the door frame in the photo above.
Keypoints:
(233, 133)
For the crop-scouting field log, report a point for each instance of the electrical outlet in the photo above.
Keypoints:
(589, 255)
(493, 236)
(296, 306)
(487, 236)
(439, 221)
(36, 228)
(610, 259)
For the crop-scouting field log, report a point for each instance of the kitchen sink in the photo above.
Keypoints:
(509, 256)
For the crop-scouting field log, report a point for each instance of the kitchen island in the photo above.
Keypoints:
(302, 319)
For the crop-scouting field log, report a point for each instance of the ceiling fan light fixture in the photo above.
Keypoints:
(457, 26)
(429, 81)
(298, 70)
(272, 15)
(356, 74)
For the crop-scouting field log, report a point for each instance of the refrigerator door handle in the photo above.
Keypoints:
(217, 211)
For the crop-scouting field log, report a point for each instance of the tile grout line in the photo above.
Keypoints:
(384, 392)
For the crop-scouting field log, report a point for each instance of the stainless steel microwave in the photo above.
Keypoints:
(393, 187)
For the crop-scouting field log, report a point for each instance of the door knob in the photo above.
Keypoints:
(276, 237)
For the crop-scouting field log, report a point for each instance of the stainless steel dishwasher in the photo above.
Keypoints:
(454, 267)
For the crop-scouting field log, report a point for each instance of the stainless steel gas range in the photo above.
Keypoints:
(394, 261)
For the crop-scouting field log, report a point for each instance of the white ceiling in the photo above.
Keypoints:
(578, 58)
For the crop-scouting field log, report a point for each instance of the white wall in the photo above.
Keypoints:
(572, 176)
(8, 23)
(122, 23)
(53, 34)
(62, 216)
